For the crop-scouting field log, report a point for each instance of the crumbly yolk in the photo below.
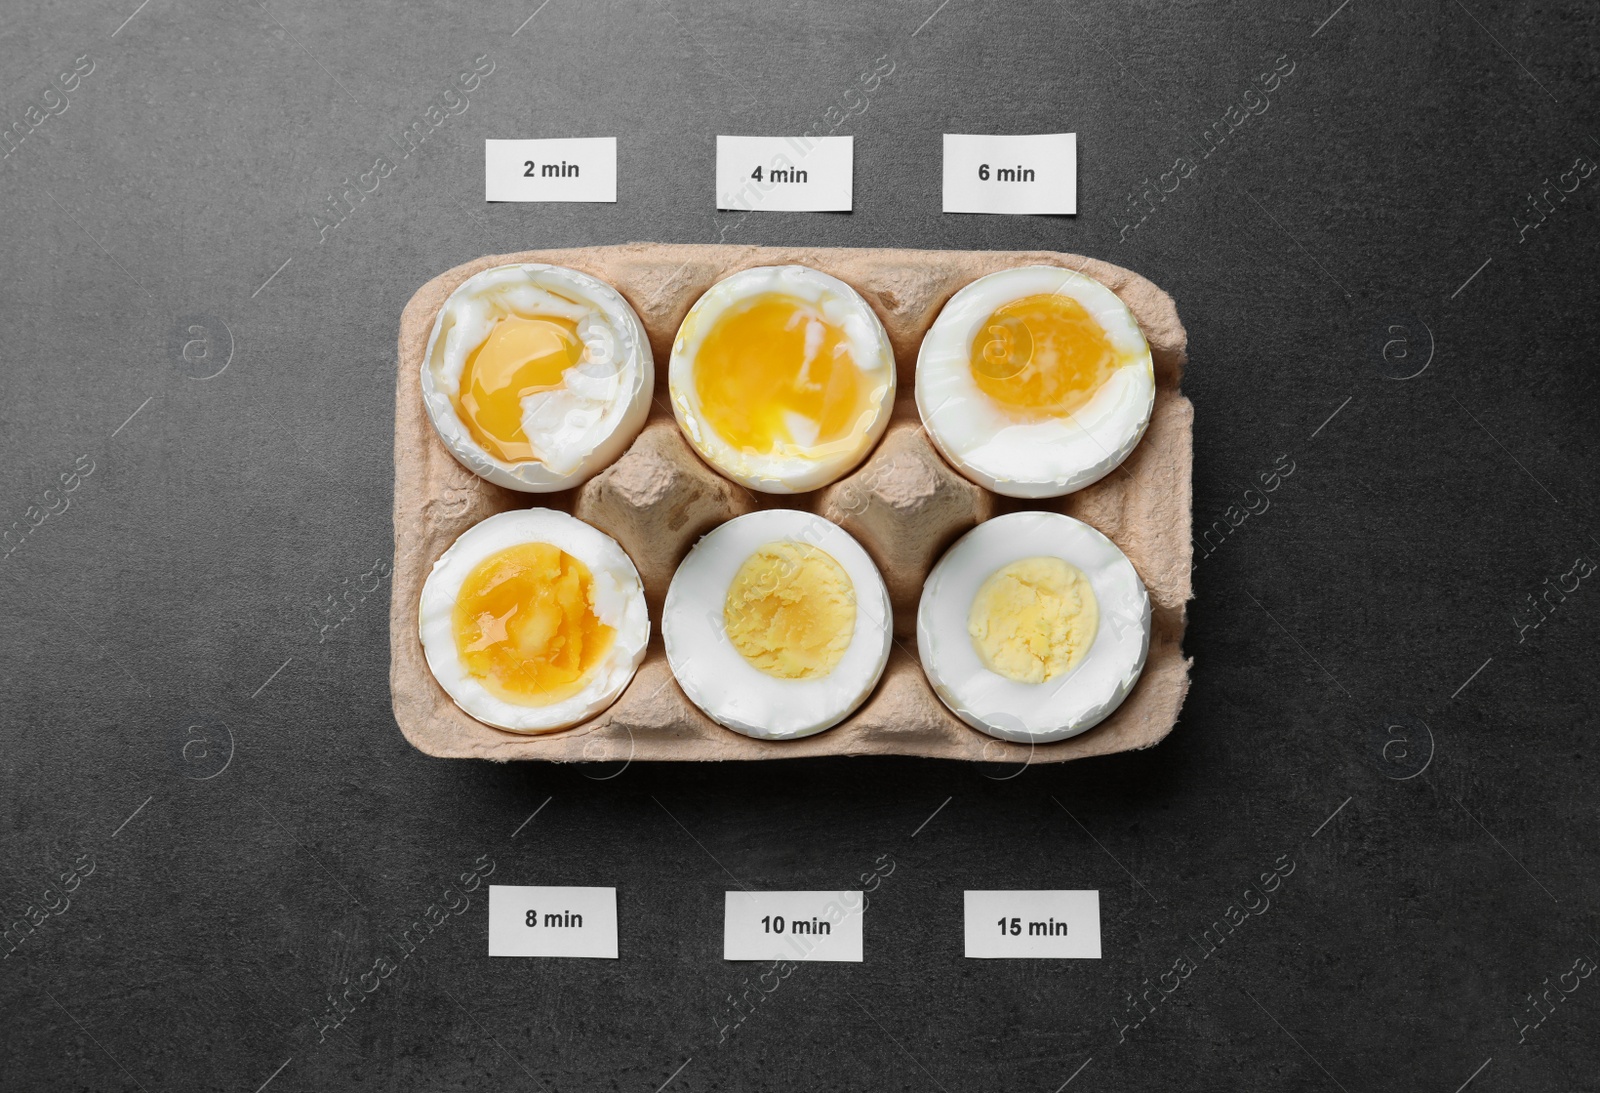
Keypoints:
(775, 373)
(1042, 356)
(1033, 619)
(521, 356)
(525, 625)
(791, 610)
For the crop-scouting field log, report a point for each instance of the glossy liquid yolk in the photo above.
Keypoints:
(1042, 356)
(1033, 619)
(525, 625)
(520, 357)
(791, 611)
(776, 373)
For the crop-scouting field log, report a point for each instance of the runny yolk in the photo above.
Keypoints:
(525, 625)
(791, 610)
(774, 373)
(1042, 356)
(520, 357)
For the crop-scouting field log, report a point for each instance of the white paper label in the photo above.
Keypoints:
(786, 174)
(1033, 925)
(994, 174)
(531, 920)
(792, 926)
(554, 169)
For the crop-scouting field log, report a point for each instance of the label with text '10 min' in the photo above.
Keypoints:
(792, 926)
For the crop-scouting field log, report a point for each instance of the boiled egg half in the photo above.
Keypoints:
(1035, 382)
(777, 624)
(1033, 627)
(533, 621)
(536, 377)
(782, 378)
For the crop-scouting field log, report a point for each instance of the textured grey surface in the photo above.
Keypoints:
(206, 593)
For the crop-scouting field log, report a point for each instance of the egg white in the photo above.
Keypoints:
(793, 470)
(715, 675)
(578, 428)
(618, 603)
(1031, 459)
(1071, 703)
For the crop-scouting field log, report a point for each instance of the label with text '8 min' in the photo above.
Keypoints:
(537, 920)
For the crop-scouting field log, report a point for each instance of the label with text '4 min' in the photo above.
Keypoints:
(536, 920)
(1033, 925)
(786, 174)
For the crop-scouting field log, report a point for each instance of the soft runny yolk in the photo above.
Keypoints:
(775, 366)
(791, 610)
(1033, 619)
(525, 625)
(1042, 356)
(521, 356)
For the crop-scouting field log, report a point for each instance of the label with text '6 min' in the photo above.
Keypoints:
(1036, 173)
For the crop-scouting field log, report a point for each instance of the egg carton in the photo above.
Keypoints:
(904, 504)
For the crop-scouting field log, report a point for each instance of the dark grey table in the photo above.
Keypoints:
(213, 832)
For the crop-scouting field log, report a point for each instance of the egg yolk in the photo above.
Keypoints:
(525, 625)
(774, 373)
(791, 611)
(1033, 619)
(1042, 356)
(520, 357)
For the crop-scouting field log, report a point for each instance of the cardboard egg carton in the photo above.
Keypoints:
(904, 504)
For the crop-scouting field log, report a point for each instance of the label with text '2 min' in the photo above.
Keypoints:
(550, 169)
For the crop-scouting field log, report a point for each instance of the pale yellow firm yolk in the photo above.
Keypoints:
(525, 625)
(520, 357)
(775, 373)
(1042, 356)
(791, 610)
(1033, 619)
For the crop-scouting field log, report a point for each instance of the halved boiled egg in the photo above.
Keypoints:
(1035, 382)
(777, 624)
(536, 377)
(533, 620)
(782, 378)
(1033, 627)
